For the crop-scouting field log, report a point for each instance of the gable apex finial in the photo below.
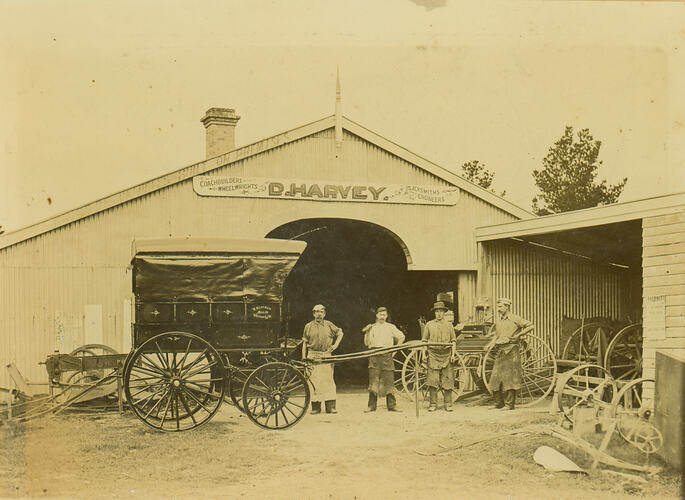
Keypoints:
(338, 110)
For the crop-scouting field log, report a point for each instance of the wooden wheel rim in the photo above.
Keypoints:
(185, 384)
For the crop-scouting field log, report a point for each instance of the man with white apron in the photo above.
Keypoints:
(321, 338)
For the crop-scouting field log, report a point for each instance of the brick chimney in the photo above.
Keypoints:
(220, 125)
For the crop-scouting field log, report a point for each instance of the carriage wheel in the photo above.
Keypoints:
(588, 343)
(633, 422)
(623, 358)
(87, 351)
(236, 383)
(538, 364)
(409, 374)
(175, 381)
(585, 385)
(78, 381)
(398, 360)
(276, 396)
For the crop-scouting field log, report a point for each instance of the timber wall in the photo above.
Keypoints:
(663, 271)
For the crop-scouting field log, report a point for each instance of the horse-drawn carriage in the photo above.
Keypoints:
(210, 323)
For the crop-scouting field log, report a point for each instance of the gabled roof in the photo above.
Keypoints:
(248, 151)
(588, 217)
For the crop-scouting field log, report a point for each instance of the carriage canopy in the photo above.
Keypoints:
(212, 268)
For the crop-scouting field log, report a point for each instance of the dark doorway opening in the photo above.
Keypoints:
(352, 267)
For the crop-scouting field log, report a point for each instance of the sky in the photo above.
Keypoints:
(98, 96)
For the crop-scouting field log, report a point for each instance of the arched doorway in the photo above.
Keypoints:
(352, 267)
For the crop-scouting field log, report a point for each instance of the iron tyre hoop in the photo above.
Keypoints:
(539, 369)
(174, 381)
(276, 396)
(634, 423)
(584, 385)
(623, 357)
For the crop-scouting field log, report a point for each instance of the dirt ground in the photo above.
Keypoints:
(348, 455)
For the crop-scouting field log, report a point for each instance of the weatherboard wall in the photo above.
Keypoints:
(71, 285)
(663, 272)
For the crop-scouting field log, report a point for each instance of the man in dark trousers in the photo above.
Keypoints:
(440, 372)
(381, 369)
(321, 338)
(507, 373)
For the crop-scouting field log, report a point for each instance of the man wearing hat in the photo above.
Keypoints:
(507, 373)
(321, 338)
(381, 368)
(440, 373)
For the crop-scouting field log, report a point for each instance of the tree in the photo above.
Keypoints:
(567, 180)
(477, 173)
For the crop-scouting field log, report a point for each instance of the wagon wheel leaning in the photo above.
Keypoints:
(410, 372)
(538, 364)
(83, 379)
(276, 396)
(588, 343)
(633, 422)
(398, 361)
(175, 381)
(585, 385)
(623, 357)
(86, 351)
(408, 375)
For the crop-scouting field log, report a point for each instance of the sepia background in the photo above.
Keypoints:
(99, 96)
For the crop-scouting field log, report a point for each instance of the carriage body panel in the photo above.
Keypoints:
(228, 292)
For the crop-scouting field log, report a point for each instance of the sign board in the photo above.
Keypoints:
(298, 189)
(654, 320)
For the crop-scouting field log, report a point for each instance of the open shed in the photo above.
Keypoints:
(624, 261)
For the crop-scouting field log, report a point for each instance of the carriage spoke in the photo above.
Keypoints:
(199, 403)
(193, 362)
(196, 371)
(148, 371)
(186, 407)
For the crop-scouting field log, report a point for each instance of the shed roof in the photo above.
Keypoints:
(589, 217)
(256, 148)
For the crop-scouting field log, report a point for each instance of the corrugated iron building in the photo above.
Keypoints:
(65, 282)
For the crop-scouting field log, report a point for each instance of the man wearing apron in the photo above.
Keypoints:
(440, 372)
(381, 368)
(507, 373)
(321, 338)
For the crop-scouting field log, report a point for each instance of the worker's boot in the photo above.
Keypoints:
(433, 397)
(330, 406)
(447, 395)
(510, 399)
(391, 402)
(499, 399)
(373, 401)
(316, 407)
